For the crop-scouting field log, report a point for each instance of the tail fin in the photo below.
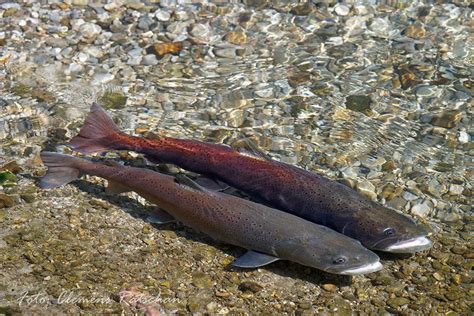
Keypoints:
(95, 135)
(62, 169)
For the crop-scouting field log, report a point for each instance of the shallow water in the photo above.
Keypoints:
(377, 96)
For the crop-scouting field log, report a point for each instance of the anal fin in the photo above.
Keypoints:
(254, 259)
(158, 216)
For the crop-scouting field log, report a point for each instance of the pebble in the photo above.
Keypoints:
(421, 210)
(409, 196)
(102, 78)
(438, 276)
(455, 189)
(366, 188)
(341, 9)
(237, 37)
(162, 15)
(463, 137)
(150, 60)
(250, 286)
(372, 162)
(89, 31)
(329, 287)
(397, 302)
(358, 103)
(415, 31)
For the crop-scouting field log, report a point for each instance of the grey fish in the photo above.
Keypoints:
(267, 233)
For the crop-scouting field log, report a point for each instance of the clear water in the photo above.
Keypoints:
(324, 91)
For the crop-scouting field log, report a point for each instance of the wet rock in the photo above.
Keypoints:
(455, 189)
(366, 188)
(329, 287)
(372, 162)
(162, 15)
(341, 9)
(397, 203)
(102, 78)
(421, 209)
(150, 60)
(89, 31)
(161, 49)
(6, 201)
(446, 119)
(201, 280)
(303, 9)
(425, 91)
(359, 103)
(438, 276)
(391, 191)
(397, 302)
(383, 279)
(237, 37)
(257, 4)
(463, 137)
(408, 78)
(415, 31)
(250, 286)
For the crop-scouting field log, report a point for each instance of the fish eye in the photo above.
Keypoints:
(389, 231)
(340, 260)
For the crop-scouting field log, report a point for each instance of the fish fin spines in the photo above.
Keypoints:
(97, 133)
(62, 169)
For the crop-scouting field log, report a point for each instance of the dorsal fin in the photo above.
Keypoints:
(248, 147)
(184, 180)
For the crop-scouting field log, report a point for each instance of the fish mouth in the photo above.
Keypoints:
(410, 246)
(366, 268)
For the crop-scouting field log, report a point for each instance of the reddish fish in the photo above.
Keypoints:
(283, 186)
(267, 233)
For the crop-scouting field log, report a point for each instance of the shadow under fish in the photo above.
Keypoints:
(267, 233)
(283, 186)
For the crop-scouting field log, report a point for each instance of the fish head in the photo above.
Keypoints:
(383, 229)
(331, 252)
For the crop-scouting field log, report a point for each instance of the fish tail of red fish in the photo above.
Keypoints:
(98, 134)
(62, 169)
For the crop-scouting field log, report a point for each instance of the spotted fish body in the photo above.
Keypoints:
(271, 234)
(283, 186)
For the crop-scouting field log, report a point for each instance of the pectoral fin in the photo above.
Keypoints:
(159, 216)
(115, 187)
(254, 259)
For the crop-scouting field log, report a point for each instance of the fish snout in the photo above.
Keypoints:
(410, 246)
(363, 269)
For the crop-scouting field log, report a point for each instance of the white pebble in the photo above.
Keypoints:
(341, 9)
(463, 137)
